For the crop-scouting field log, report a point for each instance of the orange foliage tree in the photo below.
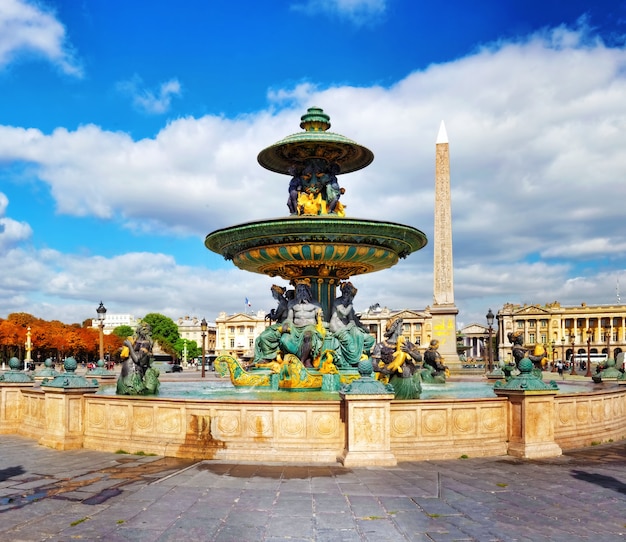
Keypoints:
(53, 339)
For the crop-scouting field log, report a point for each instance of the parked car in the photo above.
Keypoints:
(167, 366)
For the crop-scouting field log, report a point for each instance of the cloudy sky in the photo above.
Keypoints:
(130, 130)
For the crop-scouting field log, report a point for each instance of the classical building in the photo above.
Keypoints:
(189, 328)
(474, 340)
(599, 329)
(235, 333)
(417, 325)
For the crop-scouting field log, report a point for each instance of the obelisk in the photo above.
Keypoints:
(444, 310)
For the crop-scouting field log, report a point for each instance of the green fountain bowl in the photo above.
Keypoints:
(300, 147)
(315, 245)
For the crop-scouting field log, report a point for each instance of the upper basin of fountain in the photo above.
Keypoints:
(341, 247)
(317, 240)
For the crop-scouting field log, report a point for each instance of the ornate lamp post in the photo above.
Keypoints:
(490, 318)
(203, 327)
(553, 344)
(589, 333)
(563, 350)
(573, 371)
(608, 342)
(102, 312)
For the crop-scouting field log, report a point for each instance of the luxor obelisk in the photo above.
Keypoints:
(444, 310)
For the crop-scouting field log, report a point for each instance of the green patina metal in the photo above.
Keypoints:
(14, 375)
(69, 379)
(367, 384)
(608, 371)
(47, 371)
(100, 370)
(527, 380)
(325, 248)
(315, 142)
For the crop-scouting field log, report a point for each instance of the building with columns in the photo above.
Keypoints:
(601, 329)
(474, 340)
(417, 325)
(235, 333)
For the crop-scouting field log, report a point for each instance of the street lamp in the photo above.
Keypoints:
(562, 350)
(490, 318)
(573, 371)
(203, 327)
(102, 312)
(553, 343)
(589, 333)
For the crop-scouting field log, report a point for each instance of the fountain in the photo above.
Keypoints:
(314, 346)
(317, 341)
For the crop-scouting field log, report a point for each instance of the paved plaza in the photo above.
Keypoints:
(89, 495)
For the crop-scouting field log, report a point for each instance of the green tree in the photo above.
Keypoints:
(192, 349)
(123, 332)
(164, 330)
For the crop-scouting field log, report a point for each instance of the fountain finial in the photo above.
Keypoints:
(315, 120)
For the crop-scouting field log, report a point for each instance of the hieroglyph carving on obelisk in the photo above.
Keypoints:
(443, 293)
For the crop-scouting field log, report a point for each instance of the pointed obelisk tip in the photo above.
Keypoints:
(442, 136)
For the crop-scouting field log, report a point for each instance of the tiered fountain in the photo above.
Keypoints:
(316, 245)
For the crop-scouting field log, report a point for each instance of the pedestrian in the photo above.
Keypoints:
(559, 368)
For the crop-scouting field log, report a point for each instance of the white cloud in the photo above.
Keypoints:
(12, 232)
(357, 11)
(537, 130)
(153, 102)
(27, 28)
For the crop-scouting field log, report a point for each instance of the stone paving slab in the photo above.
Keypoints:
(88, 495)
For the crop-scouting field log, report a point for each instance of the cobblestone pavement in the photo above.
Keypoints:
(88, 495)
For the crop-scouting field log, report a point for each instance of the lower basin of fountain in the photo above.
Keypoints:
(216, 390)
(212, 419)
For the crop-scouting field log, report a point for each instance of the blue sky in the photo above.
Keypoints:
(130, 130)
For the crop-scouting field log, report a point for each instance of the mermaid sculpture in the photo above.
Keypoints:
(138, 377)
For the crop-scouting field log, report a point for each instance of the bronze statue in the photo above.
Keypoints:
(280, 312)
(434, 369)
(138, 377)
(303, 328)
(353, 338)
(295, 187)
(396, 360)
(519, 352)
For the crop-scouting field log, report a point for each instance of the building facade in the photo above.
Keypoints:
(189, 328)
(474, 340)
(235, 333)
(111, 321)
(563, 330)
(417, 325)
